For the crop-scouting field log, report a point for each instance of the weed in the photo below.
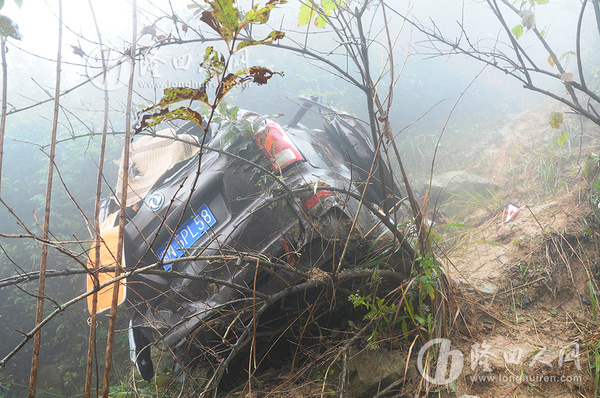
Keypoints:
(551, 173)
(555, 163)
(469, 202)
(523, 268)
(594, 365)
(416, 302)
(593, 298)
(382, 312)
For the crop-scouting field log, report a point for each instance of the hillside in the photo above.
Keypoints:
(525, 289)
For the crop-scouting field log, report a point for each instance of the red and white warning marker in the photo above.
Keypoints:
(511, 212)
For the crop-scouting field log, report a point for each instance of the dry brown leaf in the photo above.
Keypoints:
(566, 77)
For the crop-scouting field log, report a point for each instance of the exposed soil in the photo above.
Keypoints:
(523, 286)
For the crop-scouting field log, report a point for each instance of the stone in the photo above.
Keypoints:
(370, 370)
(457, 183)
(449, 191)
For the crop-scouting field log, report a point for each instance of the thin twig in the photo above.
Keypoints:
(44, 256)
(122, 215)
(93, 310)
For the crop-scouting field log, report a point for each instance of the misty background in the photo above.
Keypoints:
(428, 87)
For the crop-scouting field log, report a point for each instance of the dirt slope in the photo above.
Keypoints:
(523, 286)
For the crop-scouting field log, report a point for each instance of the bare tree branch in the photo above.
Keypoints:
(44, 259)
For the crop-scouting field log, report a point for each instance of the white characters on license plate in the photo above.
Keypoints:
(187, 235)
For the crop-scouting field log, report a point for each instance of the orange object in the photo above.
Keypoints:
(108, 258)
(279, 147)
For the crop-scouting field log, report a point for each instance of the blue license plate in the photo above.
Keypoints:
(187, 235)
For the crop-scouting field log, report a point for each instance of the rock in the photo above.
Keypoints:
(484, 287)
(585, 300)
(444, 187)
(371, 370)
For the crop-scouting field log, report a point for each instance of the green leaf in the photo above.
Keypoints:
(307, 11)
(172, 95)
(261, 16)
(213, 63)
(592, 298)
(1, 3)
(305, 14)
(409, 308)
(274, 35)
(517, 31)
(562, 138)
(429, 290)
(542, 1)
(163, 115)
(19, 3)
(223, 18)
(8, 28)
(556, 120)
(320, 21)
(322, 12)
(329, 5)
(230, 112)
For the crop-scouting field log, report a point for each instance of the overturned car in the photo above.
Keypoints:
(246, 215)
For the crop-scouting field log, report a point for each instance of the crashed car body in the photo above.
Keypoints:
(276, 192)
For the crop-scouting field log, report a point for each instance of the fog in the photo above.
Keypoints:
(425, 80)
(429, 85)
